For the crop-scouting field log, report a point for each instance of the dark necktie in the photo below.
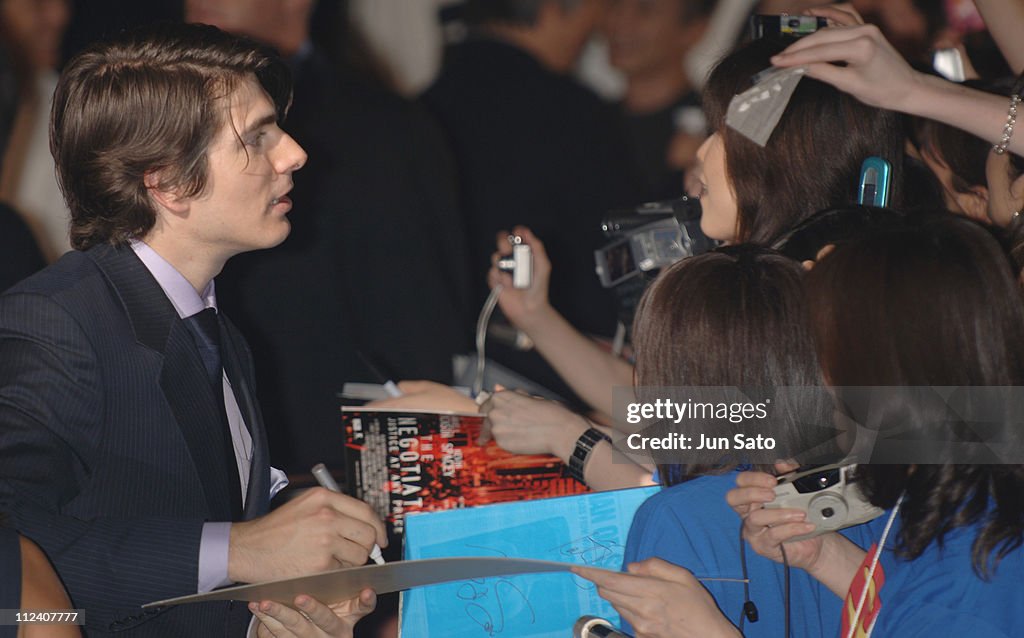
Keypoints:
(205, 328)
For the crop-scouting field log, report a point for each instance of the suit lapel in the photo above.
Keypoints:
(182, 376)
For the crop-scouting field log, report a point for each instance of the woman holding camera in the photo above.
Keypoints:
(747, 304)
(929, 302)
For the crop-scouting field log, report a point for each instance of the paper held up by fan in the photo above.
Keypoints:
(755, 112)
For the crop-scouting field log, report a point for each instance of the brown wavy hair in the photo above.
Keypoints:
(930, 300)
(150, 100)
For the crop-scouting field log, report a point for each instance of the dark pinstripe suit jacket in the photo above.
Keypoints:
(110, 450)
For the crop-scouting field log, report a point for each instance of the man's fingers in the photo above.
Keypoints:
(367, 601)
(319, 614)
(278, 619)
(268, 624)
(353, 545)
(365, 528)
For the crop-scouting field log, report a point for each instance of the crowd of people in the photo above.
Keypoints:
(248, 170)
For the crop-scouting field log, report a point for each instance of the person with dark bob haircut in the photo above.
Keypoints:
(928, 301)
(732, 317)
(132, 450)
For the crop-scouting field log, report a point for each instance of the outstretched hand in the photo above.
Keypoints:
(661, 600)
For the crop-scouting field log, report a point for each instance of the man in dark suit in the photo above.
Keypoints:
(132, 449)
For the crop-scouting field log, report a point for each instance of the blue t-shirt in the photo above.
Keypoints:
(939, 594)
(691, 525)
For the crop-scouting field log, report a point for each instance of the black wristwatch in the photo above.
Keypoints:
(584, 446)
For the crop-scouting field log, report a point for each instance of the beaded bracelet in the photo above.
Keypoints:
(1011, 116)
(1011, 120)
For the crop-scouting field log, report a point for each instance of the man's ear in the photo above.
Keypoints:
(169, 199)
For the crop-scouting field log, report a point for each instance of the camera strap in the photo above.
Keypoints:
(855, 620)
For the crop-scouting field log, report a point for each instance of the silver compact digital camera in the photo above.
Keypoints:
(830, 496)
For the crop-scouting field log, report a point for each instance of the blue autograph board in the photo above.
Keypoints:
(589, 529)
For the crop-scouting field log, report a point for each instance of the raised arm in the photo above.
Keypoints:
(590, 370)
(1005, 21)
(877, 75)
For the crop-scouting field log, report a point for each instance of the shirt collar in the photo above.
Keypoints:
(181, 293)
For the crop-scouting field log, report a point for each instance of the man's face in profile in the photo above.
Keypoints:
(250, 164)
